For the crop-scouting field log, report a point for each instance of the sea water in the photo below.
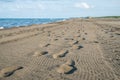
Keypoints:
(17, 22)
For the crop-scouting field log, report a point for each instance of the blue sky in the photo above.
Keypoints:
(58, 8)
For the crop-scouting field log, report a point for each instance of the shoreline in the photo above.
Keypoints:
(14, 27)
(110, 19)
(34, 24)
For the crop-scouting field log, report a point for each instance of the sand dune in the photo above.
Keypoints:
(76, 49)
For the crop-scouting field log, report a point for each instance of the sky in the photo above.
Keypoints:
(58, 8)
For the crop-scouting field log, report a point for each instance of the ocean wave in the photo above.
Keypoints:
(1, 27)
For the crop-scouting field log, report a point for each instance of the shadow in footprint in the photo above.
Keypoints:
(83, 38)
(79, 47)
(73, 70)
(61, 54)
(64, 54)
(76, 42)
(47, 45)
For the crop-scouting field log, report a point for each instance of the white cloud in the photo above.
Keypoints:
(35, 6)
(83, 5)
(20, 6)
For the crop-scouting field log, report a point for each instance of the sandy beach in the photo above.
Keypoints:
(75, 49)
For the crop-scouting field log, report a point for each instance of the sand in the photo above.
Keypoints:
(92, 45)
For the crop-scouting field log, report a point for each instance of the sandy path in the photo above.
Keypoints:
(90, 63)
(109, 37)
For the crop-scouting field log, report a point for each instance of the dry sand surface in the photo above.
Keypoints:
(76, 49)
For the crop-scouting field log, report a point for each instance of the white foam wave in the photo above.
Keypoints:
(1, 27)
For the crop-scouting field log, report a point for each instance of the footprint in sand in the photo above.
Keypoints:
(8, 71)
(77, 35)
(83, 39)
(46, 45)
(40, 53)
(64, 69)
(85, 33)
(95, 41)
(60, 54)
(74, 42)
(67, 68)
(77, 46)
(55, 39)
(117, 33)
(68, 39)
(70, 62)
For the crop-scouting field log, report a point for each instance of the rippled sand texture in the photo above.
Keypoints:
(76, 49)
